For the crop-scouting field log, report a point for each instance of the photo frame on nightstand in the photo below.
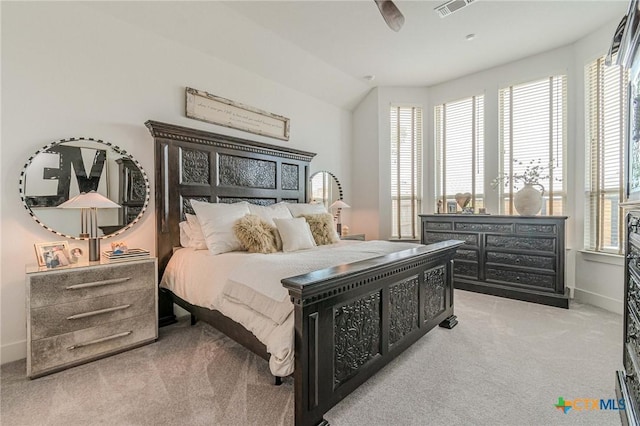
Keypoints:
(53, 254)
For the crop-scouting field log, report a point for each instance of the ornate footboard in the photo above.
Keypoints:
(353, 319)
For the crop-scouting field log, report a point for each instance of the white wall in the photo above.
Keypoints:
(371, 168)
(69, 70)
(598, 279)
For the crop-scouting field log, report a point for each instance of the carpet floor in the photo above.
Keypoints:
(506, 363)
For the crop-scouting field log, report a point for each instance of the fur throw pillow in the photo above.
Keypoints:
(322, 228)
(255, 235)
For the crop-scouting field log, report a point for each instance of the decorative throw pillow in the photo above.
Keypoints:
(216, 221)
(268, 213)
(298, 209)
(322, 228)
(185, 240)
(194, 232)
(255, 234)
(295, 233)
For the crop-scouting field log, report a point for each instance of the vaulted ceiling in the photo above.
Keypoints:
(327, 48)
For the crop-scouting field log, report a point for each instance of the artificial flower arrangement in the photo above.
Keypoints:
(534, 172)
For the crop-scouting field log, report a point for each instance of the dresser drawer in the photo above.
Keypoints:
(522, 243)
(49, 321)
(69, 349)
(528, 260)
(436, 237)
(543, 282)
(72, 285)
(465, 269)
(506, 228)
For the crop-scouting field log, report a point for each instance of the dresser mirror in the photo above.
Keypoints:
(68, 167)
(325, 188)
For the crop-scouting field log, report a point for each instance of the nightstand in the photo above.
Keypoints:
(359, 237)
(83, 312)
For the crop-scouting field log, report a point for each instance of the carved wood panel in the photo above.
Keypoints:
(404, 305)
(246, 172)
(290, 176)
(541, 262)
(194, 166)
(436, 237)
(467, 255)
(523, 243)
(435, 280)
(356, 335)
(536, 229)
(484, 227)
(521, 277)
(466, 269)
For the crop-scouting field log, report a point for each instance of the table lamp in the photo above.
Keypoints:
(89, 203)
(339, 204)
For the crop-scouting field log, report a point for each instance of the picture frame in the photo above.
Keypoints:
(633, 137)
(452, 207)
(53, 254)
(214, 109)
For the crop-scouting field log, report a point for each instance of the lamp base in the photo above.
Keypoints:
(94, 249)
(339, 228)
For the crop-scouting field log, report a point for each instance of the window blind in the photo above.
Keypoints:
(406, 170)
(606, 93)
(532, 131)
(459, 138)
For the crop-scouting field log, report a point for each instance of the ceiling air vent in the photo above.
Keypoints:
(449, 7)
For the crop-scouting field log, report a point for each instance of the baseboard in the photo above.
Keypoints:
(598, 300)
(13, 352)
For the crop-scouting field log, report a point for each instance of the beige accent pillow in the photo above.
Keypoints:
(255, 234)
(298, 209)
(295, 234)
(322, 228)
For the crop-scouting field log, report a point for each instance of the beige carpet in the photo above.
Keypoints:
(506, 363)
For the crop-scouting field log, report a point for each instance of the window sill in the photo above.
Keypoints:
(608, 258)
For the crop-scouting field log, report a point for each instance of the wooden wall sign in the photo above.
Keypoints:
(213, 109)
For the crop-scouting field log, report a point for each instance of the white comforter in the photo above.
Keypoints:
(246, 287)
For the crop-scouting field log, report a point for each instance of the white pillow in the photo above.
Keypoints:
(295, 234)
(185, 241)
(194, 230)
(216, 221)
(268, 213)
(298, 209)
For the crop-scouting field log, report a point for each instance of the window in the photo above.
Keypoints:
(459, 138)
(532, 129)
(406, 170)
(606, 111)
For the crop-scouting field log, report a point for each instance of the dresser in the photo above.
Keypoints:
(628, 382)
(519, 257)
(84, 312)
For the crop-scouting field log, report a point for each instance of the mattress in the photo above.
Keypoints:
(246, 287)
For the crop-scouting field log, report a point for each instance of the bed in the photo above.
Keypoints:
(348, 321)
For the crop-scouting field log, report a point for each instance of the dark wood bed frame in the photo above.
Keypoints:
(350, 320)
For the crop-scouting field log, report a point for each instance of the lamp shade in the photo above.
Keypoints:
(87, 200)
(339, 204)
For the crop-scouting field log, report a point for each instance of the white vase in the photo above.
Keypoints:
(528, 201)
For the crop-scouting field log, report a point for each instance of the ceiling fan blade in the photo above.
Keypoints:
(391, 14)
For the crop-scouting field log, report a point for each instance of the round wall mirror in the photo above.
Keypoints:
(68, 167)
(325, 188)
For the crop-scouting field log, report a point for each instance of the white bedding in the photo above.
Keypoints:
(246, 287)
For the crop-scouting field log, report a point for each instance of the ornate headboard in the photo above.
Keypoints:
(194, 164)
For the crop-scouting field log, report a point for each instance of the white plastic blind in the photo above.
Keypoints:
(406, 170)
(606, 115)
(532, 132)
(459, 136)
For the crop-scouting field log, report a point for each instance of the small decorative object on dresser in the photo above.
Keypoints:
(510, 256)
(452, 207)
(85, 312)
(53, 254)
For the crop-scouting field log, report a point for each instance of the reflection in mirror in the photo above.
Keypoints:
(68, 167)
(325, 188)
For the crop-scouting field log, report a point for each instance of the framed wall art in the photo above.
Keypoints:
(213, 109)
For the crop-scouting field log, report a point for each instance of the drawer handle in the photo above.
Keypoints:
(98, 312)
(103, 339)
(98, 283)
